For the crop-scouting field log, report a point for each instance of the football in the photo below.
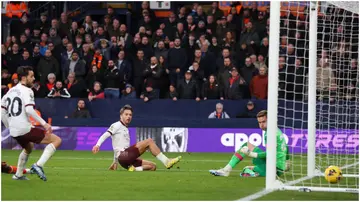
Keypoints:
(333, 174)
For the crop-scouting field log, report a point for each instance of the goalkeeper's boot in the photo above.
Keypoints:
(14, 177)
(39, 171)
(220, 172)
(248, 173)
(131, 169)
(172, 162)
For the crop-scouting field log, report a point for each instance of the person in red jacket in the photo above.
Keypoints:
(259, 84)
(96, 92)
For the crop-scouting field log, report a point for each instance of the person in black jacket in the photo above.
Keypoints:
(150, 93)
(81, 111)
(212, 90)
(249, 112)
(140, 64)
(187, 88)
(112, 80)
(177, 60)
(153, 74)
(58, 91)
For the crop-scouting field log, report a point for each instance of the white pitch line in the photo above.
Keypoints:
(105, 169)
(102, 159)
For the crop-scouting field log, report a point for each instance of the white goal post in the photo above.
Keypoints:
(313, 93)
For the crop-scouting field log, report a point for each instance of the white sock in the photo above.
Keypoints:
(162, 158)
(228, 168)
(27, 170)
(23, 158)
(140, 168)
(48, 152)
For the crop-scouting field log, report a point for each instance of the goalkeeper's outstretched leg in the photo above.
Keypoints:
(245, 150)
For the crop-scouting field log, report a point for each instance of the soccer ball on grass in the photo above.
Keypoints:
(333, 174)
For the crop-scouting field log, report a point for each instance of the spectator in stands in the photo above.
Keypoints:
(47, 65)
(247, 73)
(235, 86)
(58, 91)
(259, 84)
(35, 37)
(40, 91)
(24, 44)
(172, 94)
(50, 82)
(154, 75)
(249, 36)
(97, 92)
(229, 41)
(66, 55)
(149, 93)
(160, 50)
(212, 90)
(53, 37)
(187, 88)
(43, 43)
(13, 58)
(81, 111)
(299, 81)
(124, 68)
(260, 62)
(140, 64)
(215, 47)
(128, 93)
(3, 57)
(242, 52)
(5, 80)
(325, 81)
(249, 111)
(225, 72)
(78, 44)
(197, 74)
(219, 113)
(25, 59)
(112, 84)
(215, 11)
(43, 24)
(220, 61)
(77, 88)
(75, 65)
(36, 55)
(93, 76)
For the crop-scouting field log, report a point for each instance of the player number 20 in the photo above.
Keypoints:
(11, 106)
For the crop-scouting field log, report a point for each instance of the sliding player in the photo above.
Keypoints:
(126, 155)
(258, 155)
(5, 168)
(17, 106)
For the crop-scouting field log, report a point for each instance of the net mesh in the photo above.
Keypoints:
(337, 89)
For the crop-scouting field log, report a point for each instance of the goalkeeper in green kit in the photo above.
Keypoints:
(258, 155)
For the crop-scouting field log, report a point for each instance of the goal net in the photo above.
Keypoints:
(318, 96)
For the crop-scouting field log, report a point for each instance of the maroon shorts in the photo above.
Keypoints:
(130, 157)
(36, 135)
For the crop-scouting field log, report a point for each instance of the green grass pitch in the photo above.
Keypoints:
(76, 175)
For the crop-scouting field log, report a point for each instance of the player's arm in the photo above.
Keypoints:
(4, 112)
(103, 137)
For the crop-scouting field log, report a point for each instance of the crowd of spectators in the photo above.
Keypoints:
(192, 54)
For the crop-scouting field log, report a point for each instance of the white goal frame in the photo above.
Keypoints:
(272, 183)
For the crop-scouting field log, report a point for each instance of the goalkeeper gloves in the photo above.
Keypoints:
(249, 153)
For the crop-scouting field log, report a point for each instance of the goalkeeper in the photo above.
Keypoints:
(258, 155)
